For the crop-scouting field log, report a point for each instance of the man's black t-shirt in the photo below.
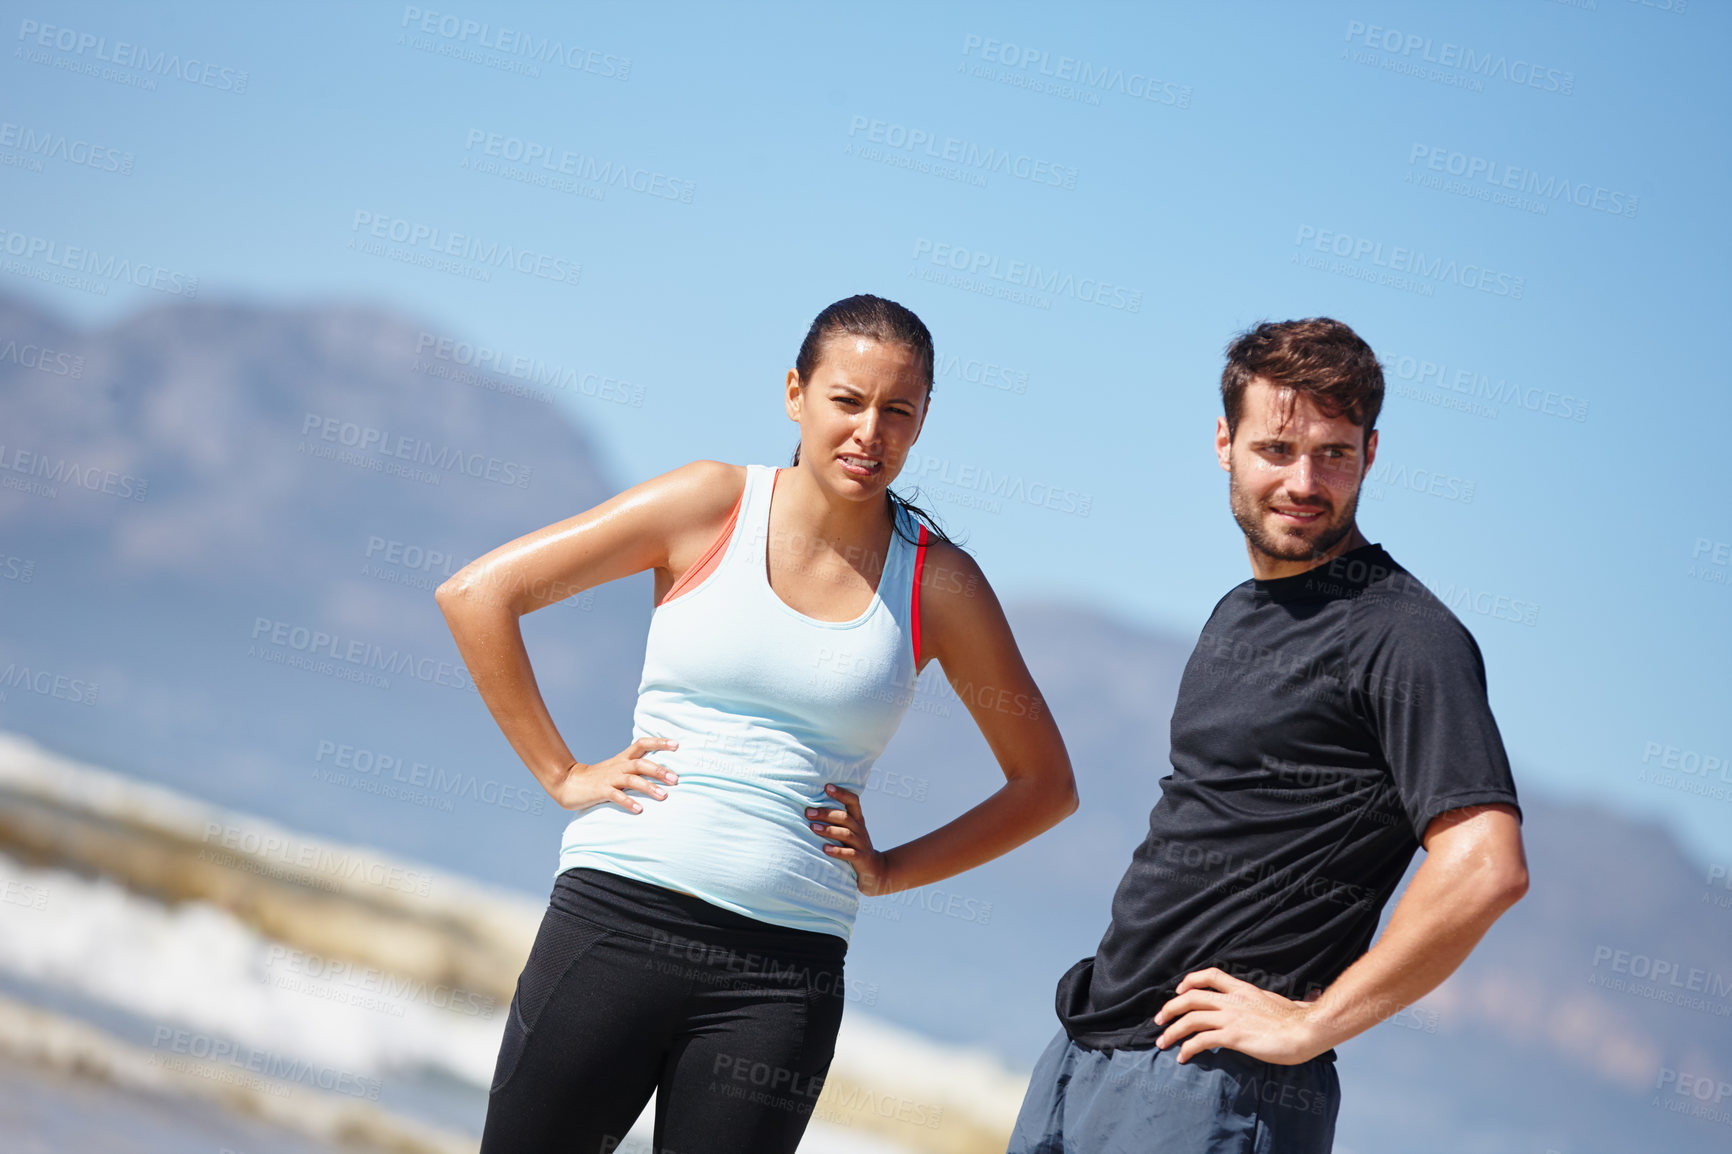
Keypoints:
(1322, 722)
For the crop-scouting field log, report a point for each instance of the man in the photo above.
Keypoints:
(1331, 721)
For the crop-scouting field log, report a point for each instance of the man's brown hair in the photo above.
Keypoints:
(1318, 357)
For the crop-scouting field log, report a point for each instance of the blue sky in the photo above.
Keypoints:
(1515, 203)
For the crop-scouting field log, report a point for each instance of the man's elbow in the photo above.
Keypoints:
(1501, 885)
(1513, 884)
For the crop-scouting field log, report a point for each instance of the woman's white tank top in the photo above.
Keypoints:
(768, 706)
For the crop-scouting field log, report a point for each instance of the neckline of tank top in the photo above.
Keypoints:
(764, 572)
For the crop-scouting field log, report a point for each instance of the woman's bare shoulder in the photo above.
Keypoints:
(704, 488)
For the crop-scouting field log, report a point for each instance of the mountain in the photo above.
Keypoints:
(229, 520)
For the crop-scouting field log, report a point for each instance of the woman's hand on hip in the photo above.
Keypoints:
(847, 828)
(590, 785)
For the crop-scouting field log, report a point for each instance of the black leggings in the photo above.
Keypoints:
(632, 989)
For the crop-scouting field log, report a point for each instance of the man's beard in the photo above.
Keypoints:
(1306, 543)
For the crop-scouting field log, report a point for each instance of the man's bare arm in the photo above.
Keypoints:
(1474, 870)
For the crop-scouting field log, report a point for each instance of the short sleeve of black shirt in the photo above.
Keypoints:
(1421, 687)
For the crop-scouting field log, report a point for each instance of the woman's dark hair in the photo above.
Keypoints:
(880, 320)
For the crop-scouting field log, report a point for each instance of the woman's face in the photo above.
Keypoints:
(860, 412)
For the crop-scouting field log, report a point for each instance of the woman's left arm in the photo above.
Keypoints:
(963, 628)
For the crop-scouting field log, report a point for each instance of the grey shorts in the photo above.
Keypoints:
(1143, 1101)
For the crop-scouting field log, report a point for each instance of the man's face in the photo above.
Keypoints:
(1294, 474)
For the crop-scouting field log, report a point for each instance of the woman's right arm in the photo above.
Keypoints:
(664, 524)
(965, 631)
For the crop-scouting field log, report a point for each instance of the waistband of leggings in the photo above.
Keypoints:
(654, 913)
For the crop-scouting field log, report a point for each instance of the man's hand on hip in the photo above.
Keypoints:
(1213, 1008)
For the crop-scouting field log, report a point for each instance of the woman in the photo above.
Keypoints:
(694, 941)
